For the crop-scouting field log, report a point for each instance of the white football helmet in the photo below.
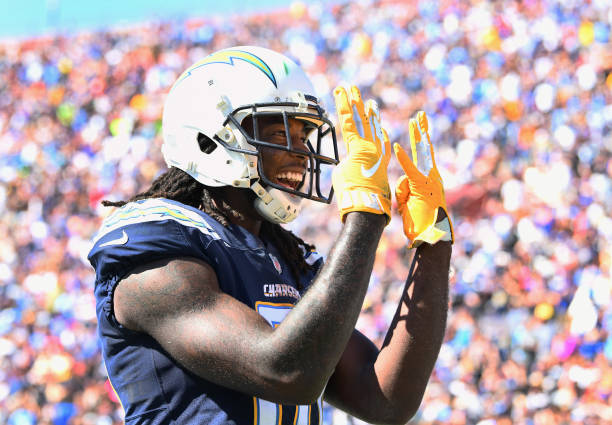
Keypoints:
(204, 136)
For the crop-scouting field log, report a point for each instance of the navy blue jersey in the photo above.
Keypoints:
(152, 386)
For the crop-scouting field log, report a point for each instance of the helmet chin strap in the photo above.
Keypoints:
(275, 205)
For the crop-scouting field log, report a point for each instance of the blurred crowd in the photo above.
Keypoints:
(519, 95)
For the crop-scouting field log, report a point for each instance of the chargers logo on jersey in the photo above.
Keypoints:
(228, 57)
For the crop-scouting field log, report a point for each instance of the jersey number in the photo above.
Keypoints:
(268, 413)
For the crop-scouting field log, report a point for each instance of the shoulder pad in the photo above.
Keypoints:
(146, 231)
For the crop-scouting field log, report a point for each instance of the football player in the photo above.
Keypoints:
(209, 312)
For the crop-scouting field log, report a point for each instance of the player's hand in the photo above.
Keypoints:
(360, 180)
(419, 193)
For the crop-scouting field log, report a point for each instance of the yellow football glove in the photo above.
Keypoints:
(420, 193)
(360, 180)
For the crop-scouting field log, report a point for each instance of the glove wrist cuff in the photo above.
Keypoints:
(440, 231)
(365, 201)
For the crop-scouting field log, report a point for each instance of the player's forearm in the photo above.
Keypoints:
(313, 336)
(412, 345)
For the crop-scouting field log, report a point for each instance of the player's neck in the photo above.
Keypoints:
(252, 226)
(240, 201)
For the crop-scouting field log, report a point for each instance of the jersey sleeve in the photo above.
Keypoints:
(144, 232)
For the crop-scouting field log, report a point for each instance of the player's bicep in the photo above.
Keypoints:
(163, 291)
(178, 302)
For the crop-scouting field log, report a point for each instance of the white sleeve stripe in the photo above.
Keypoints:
(153, 210)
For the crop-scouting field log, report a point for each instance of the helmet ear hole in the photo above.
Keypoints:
(206, 144)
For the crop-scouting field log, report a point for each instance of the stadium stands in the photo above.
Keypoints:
(519, 96)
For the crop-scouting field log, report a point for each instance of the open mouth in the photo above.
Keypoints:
(290, 179)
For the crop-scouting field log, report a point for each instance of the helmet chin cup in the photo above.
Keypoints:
(276, 206)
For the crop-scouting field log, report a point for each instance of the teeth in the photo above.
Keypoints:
(290, 176)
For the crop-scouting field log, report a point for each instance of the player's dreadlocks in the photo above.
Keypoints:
(177, 185)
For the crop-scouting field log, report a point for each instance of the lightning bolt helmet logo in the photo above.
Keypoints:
(228, 57)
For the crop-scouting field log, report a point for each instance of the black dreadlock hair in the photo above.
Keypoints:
(177, 185)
